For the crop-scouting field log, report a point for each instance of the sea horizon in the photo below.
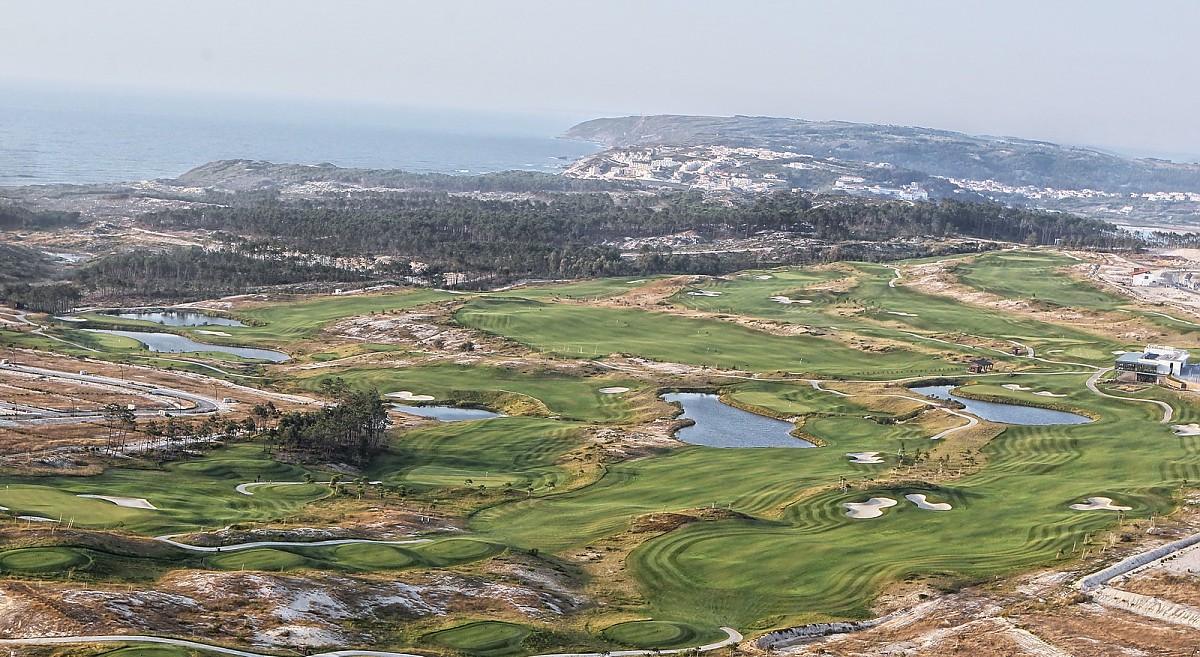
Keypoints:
(81, 135)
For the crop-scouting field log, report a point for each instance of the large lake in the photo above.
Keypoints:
(720, 425)
(1006, 413)
(169, 343)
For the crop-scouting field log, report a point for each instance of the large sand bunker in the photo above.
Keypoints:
(920, 501)
(705, 293)
(787, 300)
(1014, 386)
(764, 277)
(614, 390)
(406, 395)
(893, 312)
(864, 457)
(1047, 393)
(872, 508)
(1192, 429)
(1099, 504)
(222, 334)
(127, 502)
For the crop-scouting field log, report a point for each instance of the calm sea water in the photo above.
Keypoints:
(90, 136)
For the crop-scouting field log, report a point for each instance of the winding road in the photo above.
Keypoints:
(731, 636)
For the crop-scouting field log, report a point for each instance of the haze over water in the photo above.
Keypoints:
(87, 136)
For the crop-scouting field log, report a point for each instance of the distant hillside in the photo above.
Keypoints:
(248, 175)
(1011, 161)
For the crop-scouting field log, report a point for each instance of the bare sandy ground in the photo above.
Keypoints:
(127, 502)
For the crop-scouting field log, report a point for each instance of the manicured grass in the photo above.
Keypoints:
(151, 650)
(563, 395)
(189, 494)
(516, 453)
(257, 559)
(650, 634)
(42, 560)
(484, 638)
(285, 323)
(1035, 275)
(588, 331)
(599, 288)
(367, 556)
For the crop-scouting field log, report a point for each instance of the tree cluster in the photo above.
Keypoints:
(350, 431)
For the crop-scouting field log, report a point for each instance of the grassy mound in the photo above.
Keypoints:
(486, 638)
(43, 559)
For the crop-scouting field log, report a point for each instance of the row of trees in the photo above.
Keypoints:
(196, 272)
(50, 298)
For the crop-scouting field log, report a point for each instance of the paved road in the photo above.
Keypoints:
(199, 404)
(732, 636)
(1168, 412)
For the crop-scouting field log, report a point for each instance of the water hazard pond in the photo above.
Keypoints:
(447, 413)
(1006, 413)
(173, 317)
(169, 343)
(720, 425)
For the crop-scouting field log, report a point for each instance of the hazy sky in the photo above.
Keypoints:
(1122, 75)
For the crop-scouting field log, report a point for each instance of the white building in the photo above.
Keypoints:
(1153, 364)
(1142, 278)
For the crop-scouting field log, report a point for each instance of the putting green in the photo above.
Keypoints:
(256, 559)
(372, 556)
(150, 650)
(43, 559)
(456, 550)
(485, 638)
(650, 634)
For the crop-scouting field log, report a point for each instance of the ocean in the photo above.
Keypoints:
(95, 136)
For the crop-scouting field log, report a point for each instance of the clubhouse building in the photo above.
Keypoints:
(1154, 364)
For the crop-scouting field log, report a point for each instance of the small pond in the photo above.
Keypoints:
(173, 317)
(169, 343)
(447, 413)
(720, 425)
(1006, 413)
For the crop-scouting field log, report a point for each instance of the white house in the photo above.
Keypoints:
(1143, 277)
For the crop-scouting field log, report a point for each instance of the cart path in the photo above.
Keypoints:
(169, 539)
(1168, 411)
(732, 636)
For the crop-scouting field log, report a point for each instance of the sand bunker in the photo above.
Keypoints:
(1099, 504)
(615, 390)
(222, 334)
(71, 319)
(1047, 393)
(1119, 352)
(1013, 386)
(919, 500)
(705, 293)
(36, 519)
(872, 508)
(1055, 351)
(405, 395)
(764, 277)
(640, 280)
(127, 502)
(787, 300)
(893, 312)
(1192, 429)
(864, 457)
